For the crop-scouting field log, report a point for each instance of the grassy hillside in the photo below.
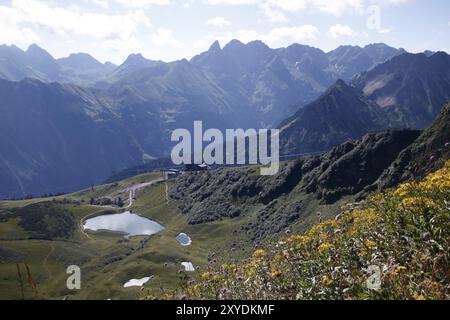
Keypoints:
(404, 232)
(107, 260)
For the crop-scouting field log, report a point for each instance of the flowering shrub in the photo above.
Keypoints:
(404, 233)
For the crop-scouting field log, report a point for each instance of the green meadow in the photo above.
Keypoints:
(107, 260)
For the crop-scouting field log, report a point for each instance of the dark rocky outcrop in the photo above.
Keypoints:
(427, 154)
(45, 221)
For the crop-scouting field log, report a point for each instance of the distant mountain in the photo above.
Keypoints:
(42, 63)
(268, 84)
(13, 64)
(180, 93)
(411, 88)
(85, 63)
(407, 91)
(57, 138)
(81, 62)
(36, 63)
(276, 82)
(338, 115)
(81, 68)
(134, 63)
(347, 61)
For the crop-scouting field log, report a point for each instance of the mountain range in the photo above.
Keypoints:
(68, 123)
(269, 82)
(407, 91)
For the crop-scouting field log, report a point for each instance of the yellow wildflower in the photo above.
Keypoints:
(168, 296)
(370, 244)
(206, 276)
(327, 281)
(260, 253)
(324, 247)
(400, 269)
(418, 201)
(403, 190)
(276, 274)
(298, 239)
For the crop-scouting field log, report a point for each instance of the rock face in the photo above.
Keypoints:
(348, 61)
(338, 115)
(411, 88)
(275, 83)
(349, 171)
(408, 91)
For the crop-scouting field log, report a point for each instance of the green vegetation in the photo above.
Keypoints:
(107, 260)
(404, 232)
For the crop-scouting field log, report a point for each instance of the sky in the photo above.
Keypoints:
(174, 29)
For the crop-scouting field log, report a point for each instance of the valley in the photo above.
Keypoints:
(107, 260)
(222, 216)
(194, 156)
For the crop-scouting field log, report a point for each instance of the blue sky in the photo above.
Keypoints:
(174, 29)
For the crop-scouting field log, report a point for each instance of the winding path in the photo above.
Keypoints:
(44, 263)
(133, 189)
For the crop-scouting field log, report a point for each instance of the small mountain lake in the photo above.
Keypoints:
(127, 223)
(184, 239)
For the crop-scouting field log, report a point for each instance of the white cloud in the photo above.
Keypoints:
(66, 21)
(275, 10)
(143, 3)
(275, 37)
(165, 38)
(218, 22)
(102, 3)
(288, 5)
(385, 31)
(390, 2)
(291, 34)
(11, 30)
(244, 35)
(339, 7)
(231, 2)
(273, 13)
(124, 46)
(340, 30)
